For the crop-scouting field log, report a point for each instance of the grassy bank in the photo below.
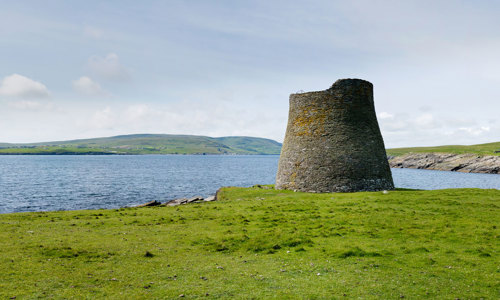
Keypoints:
(480, 149)
(55, 150)
(149, 144)
(262, 243)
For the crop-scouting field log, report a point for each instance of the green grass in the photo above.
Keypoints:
(481, 149)
(262, 243)
(150, 144)
(251, 145)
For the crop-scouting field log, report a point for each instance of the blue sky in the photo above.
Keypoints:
(79, 69)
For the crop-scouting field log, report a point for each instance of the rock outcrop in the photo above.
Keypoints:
(180, 201)
(467, 163)
(150, 203)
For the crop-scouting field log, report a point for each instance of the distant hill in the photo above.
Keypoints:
(480, 149)
(149, 144)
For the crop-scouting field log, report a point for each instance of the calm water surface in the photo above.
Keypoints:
(42, 183)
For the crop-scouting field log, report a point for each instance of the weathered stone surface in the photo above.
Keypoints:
(194, 199)
(150, 203)
(333, 142)
(468, 163)
(177, 202)
(208, 199)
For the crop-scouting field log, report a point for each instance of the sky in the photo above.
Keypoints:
(83, 69)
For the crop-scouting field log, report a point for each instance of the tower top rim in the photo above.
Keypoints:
(340, 83)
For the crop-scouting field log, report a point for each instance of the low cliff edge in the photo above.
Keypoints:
(467, 163)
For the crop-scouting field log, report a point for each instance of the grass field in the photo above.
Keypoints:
(480, 149)
(262, 243)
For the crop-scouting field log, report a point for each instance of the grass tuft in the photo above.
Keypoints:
(358, 252)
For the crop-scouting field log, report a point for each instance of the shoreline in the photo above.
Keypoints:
(464, 163)
(216, 196)
(135, 154)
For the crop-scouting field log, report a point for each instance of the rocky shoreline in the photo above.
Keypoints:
(196, 199)
(467, 163)
(180, 201)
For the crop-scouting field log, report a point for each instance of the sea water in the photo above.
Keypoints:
(69, 182)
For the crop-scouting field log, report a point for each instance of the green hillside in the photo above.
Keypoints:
(150, 144)
(481, 149)
(193, 144)
(244, 143)
(261, 244)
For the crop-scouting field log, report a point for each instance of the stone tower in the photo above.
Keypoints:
(333, 142)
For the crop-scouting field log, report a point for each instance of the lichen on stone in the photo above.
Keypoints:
(333, 142)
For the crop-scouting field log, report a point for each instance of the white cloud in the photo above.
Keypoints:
(406, 130)
(208, 118)
(87, 86)
(426, 120)
(93, 32)
(26, 105)
(16, 85)
(103, 119)
(425, 108)
(108, 67)
(385, 115)
(138, 112)
(475, 131)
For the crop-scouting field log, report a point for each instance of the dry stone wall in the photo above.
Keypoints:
(333, 142)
